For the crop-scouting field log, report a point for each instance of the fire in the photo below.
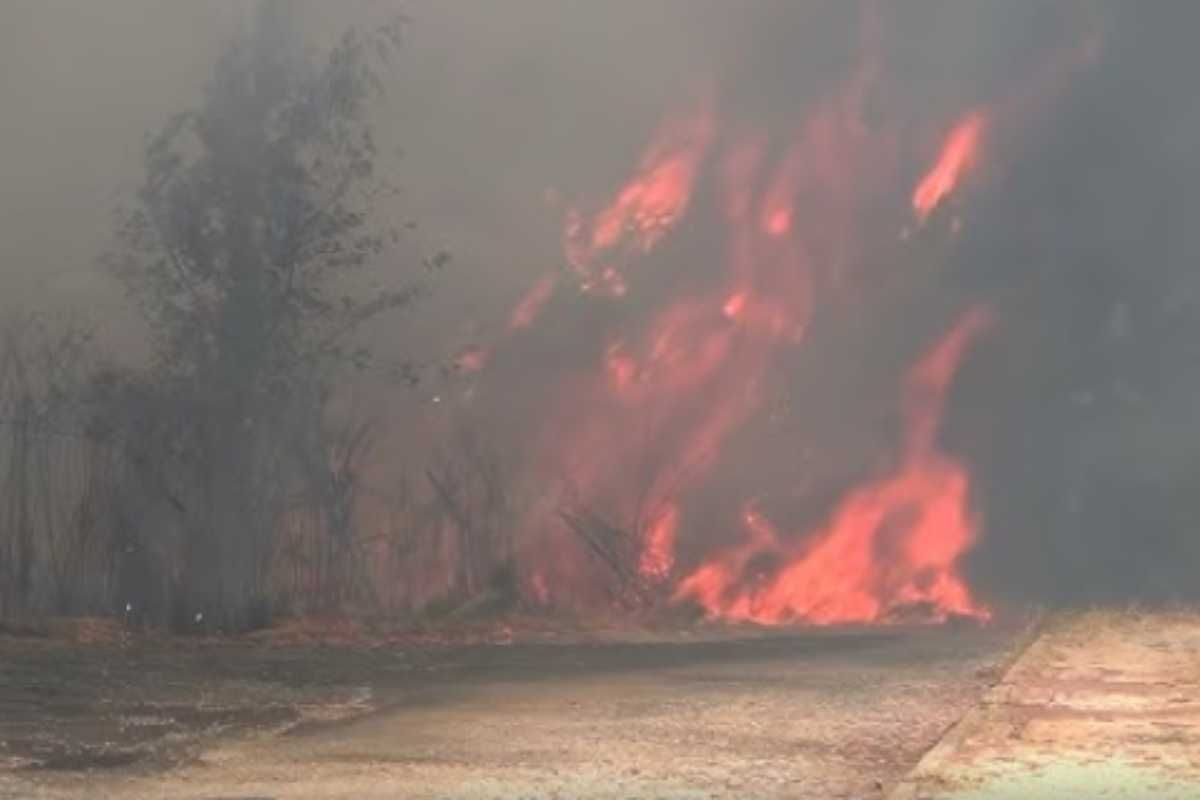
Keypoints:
(734, 305)
(668, 394)
(540, 589)
(646, 425)
(890, 547)
(658, 555)
(649, 205)
(622, 369)
(779, 222)
(637, 437)
(959, 154)
(532, 303)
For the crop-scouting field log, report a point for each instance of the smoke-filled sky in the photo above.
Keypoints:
(492, 104)
(1073, 413)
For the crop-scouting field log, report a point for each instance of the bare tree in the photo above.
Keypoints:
(47, 469)
(474, 504)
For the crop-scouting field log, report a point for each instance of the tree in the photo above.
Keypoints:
(41, 370)
(254, 213)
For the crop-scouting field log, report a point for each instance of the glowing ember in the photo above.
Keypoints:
(622, 369)
(959, 153)
(472, 359)
(540, 590)
(531, 304)
(734, 305)
(890, 547)
(779, 222)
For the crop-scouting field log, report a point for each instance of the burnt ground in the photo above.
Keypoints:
(719, 713)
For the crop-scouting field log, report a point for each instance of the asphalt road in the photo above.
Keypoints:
(818, 714)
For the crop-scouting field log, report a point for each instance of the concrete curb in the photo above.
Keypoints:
(940, 755)
(1104, 703)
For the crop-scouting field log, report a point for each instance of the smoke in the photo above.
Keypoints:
(1081, 417)
(1074, 414)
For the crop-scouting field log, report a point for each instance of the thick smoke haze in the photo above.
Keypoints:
(1075, 413)
(1081, 418)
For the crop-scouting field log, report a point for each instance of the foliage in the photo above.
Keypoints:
(256, 205)
(254, 217)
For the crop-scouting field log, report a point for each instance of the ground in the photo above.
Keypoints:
(713, 713)
(1103, 704)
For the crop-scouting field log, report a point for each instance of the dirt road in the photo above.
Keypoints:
(821, 714)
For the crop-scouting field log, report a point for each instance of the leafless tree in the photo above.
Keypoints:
(54, 556)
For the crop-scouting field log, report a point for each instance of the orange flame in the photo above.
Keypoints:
(636, 437)
(654, 403)
(658, 553)
(647, 207)
(959, 154)
(890, 547)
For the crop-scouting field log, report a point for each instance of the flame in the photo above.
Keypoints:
(658, 554)
(647, 207)
(474, 358)
(890, 546)
(638, 436)
(540, 589)
(651, 404)
(959, 154)
(527, 310)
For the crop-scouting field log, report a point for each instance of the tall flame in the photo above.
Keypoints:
(658, 413)
(638, 436)
(890, 547)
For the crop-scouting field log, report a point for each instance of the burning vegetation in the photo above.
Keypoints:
(652, 414)
(730, 390)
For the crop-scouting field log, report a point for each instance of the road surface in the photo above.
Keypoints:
(820, 714)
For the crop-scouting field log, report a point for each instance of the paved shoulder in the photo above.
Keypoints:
(1101, 705)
